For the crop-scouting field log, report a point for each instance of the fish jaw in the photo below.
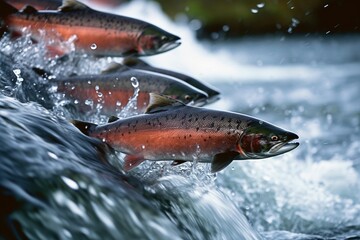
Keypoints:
(155, 40)
(260, 143)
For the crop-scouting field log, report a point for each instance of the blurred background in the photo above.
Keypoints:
(235, 18)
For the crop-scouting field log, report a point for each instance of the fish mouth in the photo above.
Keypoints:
(282, 147)
(167, 46)
(212, 99)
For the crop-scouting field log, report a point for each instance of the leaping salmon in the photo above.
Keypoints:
(170, 130)
(113, 89)
(97, 32)
(213, 94)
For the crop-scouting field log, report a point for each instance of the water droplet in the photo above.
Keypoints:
(327, 32)
(260, 5)
(254, 10)
(89, 102)
(76, 101)
(97, 88)
(143, 146)
(261, 122)
(89, 82)
(326, 5)
(134, 82)
(195, 24)
(100, 95)
(294, 22)
(53, 155)
(93, 46)
(17, 72)
(226, 28)
(71, 183)
(118, 103)
(215, 35)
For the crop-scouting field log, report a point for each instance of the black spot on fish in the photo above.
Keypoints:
(197, 129)
(218, 129)
(222, 118)
(229, 121)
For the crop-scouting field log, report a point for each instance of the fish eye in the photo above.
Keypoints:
(187, 97)
(274, 138)
(163, 38)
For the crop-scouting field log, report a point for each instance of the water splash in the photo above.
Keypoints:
(131, 107)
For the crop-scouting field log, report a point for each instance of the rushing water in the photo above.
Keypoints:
(58, 184)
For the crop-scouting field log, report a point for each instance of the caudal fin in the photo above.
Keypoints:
(84, 127)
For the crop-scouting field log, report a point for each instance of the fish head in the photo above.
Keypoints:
(263, 140)
(186, 93)
(154, 40)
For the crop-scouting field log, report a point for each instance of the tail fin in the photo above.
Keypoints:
(6, 9)
(84, 127)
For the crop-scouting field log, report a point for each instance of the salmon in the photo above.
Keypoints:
(171, 130)
(96, 32)
(213, 94)
(113, 89)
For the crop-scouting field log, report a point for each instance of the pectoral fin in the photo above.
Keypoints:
(131, 161)
(177, 162)
(159, 103)
(222, 160)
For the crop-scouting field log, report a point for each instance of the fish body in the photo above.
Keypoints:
(173, 131)
(97, 32)
(213, 94)
(114, 89)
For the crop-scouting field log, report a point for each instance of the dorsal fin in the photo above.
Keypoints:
(72, 5)
(135, 62)
(29, 9)
(159, 103)
(112, 119)
(114, 67)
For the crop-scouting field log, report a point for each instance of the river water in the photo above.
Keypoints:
(56, 185)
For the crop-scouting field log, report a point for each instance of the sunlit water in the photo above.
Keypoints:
(56, 185)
